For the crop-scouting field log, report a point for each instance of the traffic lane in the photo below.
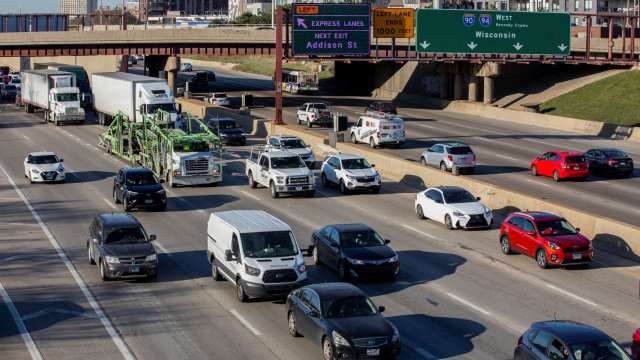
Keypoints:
(229, 80)
(162, 307)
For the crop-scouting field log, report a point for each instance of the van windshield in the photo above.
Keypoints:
(269, 244)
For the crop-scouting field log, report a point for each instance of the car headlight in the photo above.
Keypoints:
(250, 270)
(351, 177)
(553, 245)
(339, 339)
(487, 211)
(280, 179)
(355, 261)
(161, 192)
(302, 268)
(60, 168)
(393, 259)
(112, 260)
(35, 171)
(396, 335)
(131, 193)
(458, 214)
(151, 258)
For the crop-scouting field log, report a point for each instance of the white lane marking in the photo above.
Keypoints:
(244, 322)
(106, 323)
(109, 203)
(469, 304)
(507, 157)
(574, 296)
(420, 232)
(26, 137)
(11, 258)
(419, 350)
(244, 192)
(202, 211)
(162, 248)
(26, 337)
(537, 182)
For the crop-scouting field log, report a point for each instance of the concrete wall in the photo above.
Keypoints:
(251, 125)
(92, 64)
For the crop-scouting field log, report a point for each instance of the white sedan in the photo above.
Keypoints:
(453, 206)
(43, 166)
(220, 99)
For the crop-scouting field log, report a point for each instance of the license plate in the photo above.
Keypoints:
(373, 352)
(135, 269)
(298, 188)
(576, 168)
(623, 163)
(148, 201)
(577, 256)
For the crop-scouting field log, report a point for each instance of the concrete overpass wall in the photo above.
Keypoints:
(92, 64)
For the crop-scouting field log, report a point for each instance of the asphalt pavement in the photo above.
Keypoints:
(457, 296)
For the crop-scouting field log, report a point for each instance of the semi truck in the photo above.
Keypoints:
(135, 96)
(55, 93)
(82, 80)
(184, 152)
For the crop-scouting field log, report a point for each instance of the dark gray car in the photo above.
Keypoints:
(120, 246)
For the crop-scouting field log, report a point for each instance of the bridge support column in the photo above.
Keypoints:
(444, 85)
(171, 68)
(488, 90)
(474, 84)
(458, 86)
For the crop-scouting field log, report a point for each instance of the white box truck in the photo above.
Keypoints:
(54, 92)
(131, 94)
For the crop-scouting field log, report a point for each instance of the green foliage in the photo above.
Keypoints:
(249, 18)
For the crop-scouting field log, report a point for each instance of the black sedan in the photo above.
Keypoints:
(343, 320)
(138, 187)
(609, 162)
(355, 251)
(382, 107)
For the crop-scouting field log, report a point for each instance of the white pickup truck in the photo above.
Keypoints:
(314, 114)
(282, 172)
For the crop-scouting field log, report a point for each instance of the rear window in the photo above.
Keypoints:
(575, 159)
(614, 153)
(460, 150)
(319, 106)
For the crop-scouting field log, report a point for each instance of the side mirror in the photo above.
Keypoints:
(387, 241)
(228, 255)
(61, 160)
(373, 165)
(313, 314)
(381, 309)
(152, 238)
(577, 229)
(478, 198)
(531, 233)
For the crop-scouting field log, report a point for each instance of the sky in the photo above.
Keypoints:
(25, 6)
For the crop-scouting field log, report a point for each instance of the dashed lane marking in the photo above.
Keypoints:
(244, 322)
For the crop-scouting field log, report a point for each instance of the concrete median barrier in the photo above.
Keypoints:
(251, 125)
(607, 234)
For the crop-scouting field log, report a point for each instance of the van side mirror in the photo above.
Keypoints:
(229, 256)
(478, 198)
(61, 160)
(387, 241)
(152, 238)
(577, 229)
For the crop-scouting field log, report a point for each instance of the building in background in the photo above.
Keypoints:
(153, 8)
(77, 6)
(199, 7)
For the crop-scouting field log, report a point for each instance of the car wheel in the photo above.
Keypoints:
(242, 296)
(115, 197)
(90, 253)
(316, 256)
(353, 139)
(327, 349)
(534, 170)
(30, 178)
(447, 222)
(125, 204)
(372, 143)
(324, 181)
(309, 124)
(215, 272)
(252, 183)
(293, 330)
(343, 188)
(103, 271)
(343, 273)
(541, 259)
(423, 161)
(420, 213)
(274, 193)
(455, 170)
(152, 276)
(443, 166)
(556, 176)
(375, 190)
(505, 245)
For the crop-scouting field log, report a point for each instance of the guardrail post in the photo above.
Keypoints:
(610, 44)
(278, 74)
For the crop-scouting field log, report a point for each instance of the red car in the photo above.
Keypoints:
(548, 237)
(561, 165)
(635, 345)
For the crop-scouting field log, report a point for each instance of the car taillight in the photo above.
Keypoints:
(473, 157)
(450, 157)
(612, 162)
(564, 165)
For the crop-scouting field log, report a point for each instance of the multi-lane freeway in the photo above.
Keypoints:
(457, 296)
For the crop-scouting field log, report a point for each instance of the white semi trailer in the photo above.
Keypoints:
(54, 92)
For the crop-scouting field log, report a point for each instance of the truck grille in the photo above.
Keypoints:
(196, 166)
(132, 260)
(297, 180)
(279, 276)
(71, 111)
(370, 342)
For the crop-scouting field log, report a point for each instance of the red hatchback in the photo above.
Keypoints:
(550, 238)
(561, 165)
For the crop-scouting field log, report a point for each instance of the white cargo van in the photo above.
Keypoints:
(255, 251)
(378, 129)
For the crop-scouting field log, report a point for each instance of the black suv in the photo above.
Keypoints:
(382, 107)
(138, 187)
(121, 247)
(228, 130)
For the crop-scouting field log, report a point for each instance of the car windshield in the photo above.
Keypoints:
(227, 124)
(605, 349)
(269, 244)
(289, 162)
(355, 164)
(132, 235)
(614, 153)
(67, 97)
(141, 178)
(358, 239)
(352, 306)
(575, 159)
(555, 227)
(456, 197)
(293, 144)
(44, 159)
(460, 150)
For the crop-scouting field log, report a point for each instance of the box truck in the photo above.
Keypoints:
(55, 93)
(82, 80)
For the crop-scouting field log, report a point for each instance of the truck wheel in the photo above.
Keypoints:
(252, 183)
(274, 193)
(372, 143)
(309, 124)
(56, 122)
(240, 293)
(353, 139)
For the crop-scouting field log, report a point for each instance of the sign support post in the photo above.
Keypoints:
(278, 75)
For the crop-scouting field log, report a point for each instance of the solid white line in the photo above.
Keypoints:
(507, 157)
(419, 350)
(109, 203)
(202, 211)
(26, 337)
(420, 232)
(468, 304)
(574, 296)
(106, 323)
(245, 322)
(162, 248)
(537, 182)
(250, 195)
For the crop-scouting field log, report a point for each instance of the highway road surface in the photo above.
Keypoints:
(457, 296)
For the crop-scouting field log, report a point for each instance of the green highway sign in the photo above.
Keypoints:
(331, 29)
(492, 32)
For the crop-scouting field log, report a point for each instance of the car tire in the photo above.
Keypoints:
(343, 188)
(309, 123)
(90, 254)
(272, 188)
(447, 222)
(103, 273)
(423, 161)
(353, 139)
(541, 259)
(443, 167)
(455, 170)
(215, 271)
(240, 293)
(291, 322)
(115, 197)
(125, 204)
(505, 245)
(315, 256)
(324, 181)
(343, 274)
(372, 143)
(152, 276)
(420, 212)
(556, 176)
(252, 183)
(327, 349)
(471, 171)
(534, 170)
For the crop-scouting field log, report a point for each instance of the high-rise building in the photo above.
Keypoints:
(153, 8)
(77, 6)
(199, 7)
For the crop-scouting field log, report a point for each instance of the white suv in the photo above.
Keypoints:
(453, 206)
(350, 172)
(43, 166)
(292, 144)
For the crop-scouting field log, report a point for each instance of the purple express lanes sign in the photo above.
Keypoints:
(331, 29)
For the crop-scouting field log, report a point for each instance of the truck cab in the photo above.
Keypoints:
(283, 172)
(155, 97)
(65, 105)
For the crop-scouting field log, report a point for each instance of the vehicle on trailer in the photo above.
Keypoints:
(211, 76)
(455, 157)
(561, 165)
(292, 144)
(609, 162)
(55, 93)
(138, 187)
(350, 173)
(453, 206)
(228, 130)
(121, 247)
(296, 82)
(15, 81)
(283, 172)
(44, 166)
(256, 252)
(184, 152)
(185, 66)
(343, 321)
(220, 99)
(378, 130)
(312, 114)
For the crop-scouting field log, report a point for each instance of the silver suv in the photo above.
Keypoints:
(454, 157)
